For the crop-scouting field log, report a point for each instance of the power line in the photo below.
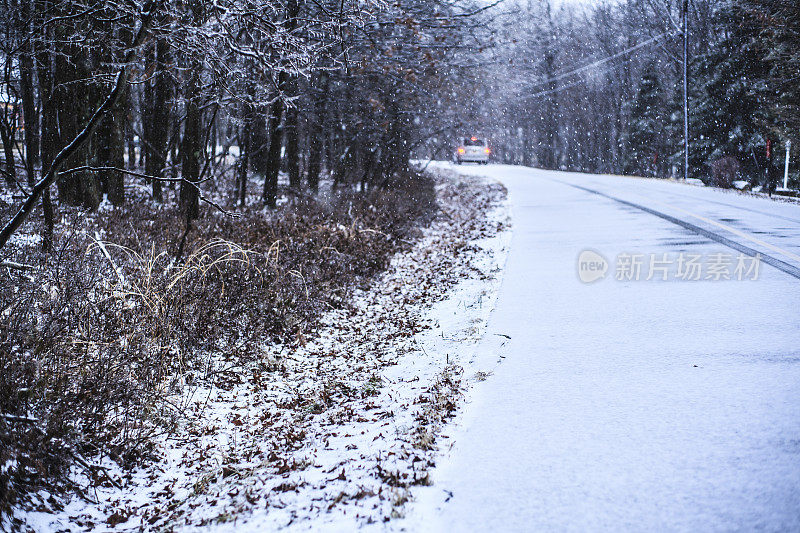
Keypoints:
(599, 62)
(567, 86)
(608, 69)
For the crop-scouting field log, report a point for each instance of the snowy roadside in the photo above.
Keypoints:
(735, 190)
(333, 432)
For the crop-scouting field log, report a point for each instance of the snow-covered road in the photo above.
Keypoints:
(625, 404)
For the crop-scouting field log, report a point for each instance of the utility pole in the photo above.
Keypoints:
(685, 23)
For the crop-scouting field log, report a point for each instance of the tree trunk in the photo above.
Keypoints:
(129, 134)
(147, 153)
(174, 148)
(275, 133)
(244, 160)
(110, 136)
(7, 133)
(114, 155)
(213, 141)
(259, 142)
(30, 117)
(275, 118)
(71, 101)
(293, 140)
(549, 157)
(7, 136)
(316, 133)
(191, 147)
(154, 127)
(293, 148)
(163, 91)
(49, 127)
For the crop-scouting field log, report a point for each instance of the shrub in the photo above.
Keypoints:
(92, 342)
(724, 172)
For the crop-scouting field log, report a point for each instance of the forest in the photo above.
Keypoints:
(599, 88)
(183, 177)
(352, 91)
(169, 93)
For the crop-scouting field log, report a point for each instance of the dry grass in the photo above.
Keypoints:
(93, 341)
(439, 404)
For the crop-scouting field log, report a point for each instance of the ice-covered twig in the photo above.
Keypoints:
(16, 266)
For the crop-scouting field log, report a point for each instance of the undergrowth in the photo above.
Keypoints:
(95, 337)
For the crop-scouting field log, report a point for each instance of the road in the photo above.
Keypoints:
(632, 404)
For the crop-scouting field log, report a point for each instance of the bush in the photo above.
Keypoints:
(724, 172)
(94, 340)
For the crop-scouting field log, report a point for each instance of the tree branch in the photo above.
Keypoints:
(111, 100)
(195, 184)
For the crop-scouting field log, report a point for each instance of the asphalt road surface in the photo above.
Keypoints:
(628, 403)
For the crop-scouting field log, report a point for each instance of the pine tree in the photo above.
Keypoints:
(644, 145)
(774, 25)
(728, 113)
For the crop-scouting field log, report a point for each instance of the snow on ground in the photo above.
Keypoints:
(335, 431)
(628, 404)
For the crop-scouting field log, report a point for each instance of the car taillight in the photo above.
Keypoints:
(461, 150)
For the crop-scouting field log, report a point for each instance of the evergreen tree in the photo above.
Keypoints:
(645, 151)
(774, 25)
(727, 114)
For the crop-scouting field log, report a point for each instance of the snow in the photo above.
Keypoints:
(611, 405)
(24, 240)
(628, 405)
(340, 429)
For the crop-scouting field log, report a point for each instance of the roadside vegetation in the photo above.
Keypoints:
(96, 336)
(181, 180)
